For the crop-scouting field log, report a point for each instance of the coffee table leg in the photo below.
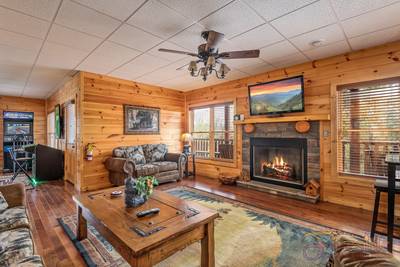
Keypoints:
(207, 246)
(81, 228)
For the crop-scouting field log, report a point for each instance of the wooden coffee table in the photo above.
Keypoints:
(146, 241)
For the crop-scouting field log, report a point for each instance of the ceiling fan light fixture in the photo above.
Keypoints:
(192, 66)
(211, 62)
(223, 70)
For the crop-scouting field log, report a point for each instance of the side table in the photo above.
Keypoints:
(193, 158)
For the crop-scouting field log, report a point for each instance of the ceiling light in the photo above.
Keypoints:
(223, 70)
(211, 62)
(317, 43)
(192, 67)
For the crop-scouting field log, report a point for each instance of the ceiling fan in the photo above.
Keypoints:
(209, 55)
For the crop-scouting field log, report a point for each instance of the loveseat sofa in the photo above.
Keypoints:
(149, 159)
(16, 242)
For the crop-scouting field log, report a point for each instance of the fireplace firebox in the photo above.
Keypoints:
(280, 161)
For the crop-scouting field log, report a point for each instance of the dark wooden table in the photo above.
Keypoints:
(193, 157)
(146, 241)
(392, 160)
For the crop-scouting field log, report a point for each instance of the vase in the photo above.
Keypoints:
(132, 197)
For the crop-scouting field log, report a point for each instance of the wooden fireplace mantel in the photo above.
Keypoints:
(322, 117)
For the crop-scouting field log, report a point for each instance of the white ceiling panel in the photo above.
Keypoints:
(347, 9)
(18, 50)
(43, 80)
(139, 66)
(20, 23)
(256, 68)
(276, 51)
(60, 56)
(167, 73)
(168, 56)
(375, 38)
(158, 19)
(289, 60)
(43, 9)
(306, 19)
(195, 9)
(86, 20)
(74, 39)
(190, 38)
(241, 63)
(135, 38)
(337, 48)
(259, 37)
(107, 57)
(373, 21)
(10, 91)
(119, 9)
(272, 9)
(232, 20)
(329, 34)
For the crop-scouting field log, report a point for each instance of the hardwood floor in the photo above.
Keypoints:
(53, 200)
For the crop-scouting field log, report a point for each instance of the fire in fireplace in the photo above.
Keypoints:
(278, 168)
(281, 161)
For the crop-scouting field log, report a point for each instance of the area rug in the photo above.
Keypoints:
(244, 236)
(21, 178)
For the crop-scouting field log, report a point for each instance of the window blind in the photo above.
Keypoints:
(368, 124)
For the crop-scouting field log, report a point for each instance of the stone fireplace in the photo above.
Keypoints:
(276, 154)
(281, 161)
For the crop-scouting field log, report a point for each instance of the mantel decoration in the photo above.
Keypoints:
(137, 191)
(141, 120)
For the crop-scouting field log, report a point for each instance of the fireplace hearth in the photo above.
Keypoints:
(281, 161)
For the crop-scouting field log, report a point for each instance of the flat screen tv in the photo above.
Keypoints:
(281, 96)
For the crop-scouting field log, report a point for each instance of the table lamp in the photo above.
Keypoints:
(186, 139)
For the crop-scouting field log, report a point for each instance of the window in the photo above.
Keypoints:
(368, 125)
(51, 130)
(213, 132)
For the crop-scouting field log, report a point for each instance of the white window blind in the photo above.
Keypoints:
(51, 139)
(71, 123)
(368, 124)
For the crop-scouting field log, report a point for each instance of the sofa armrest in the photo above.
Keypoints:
(180, 159)
(14, 194)
(115, 164)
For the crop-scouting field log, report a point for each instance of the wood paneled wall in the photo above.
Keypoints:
(319, 76)
(9, 103)
(102, 124)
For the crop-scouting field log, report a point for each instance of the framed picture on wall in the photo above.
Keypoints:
(141, 120)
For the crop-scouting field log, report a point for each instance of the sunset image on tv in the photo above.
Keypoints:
(277, 97)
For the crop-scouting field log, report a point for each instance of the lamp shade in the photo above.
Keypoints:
(186, 137)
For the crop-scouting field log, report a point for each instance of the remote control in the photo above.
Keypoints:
(147, 212)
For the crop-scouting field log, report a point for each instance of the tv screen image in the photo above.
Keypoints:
(277, 96)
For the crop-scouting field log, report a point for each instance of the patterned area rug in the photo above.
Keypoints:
(244, 236)
(21, 178)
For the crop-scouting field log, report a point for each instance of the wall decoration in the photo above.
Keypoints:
(302, 126)
(57, 112)
(141, 120)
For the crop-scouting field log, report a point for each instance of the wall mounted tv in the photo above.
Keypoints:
(281, 96)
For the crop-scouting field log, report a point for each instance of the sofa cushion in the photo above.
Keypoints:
(155, 152)
(13, 218)
(146, 169)
(15, 246)
(165, 166)
(132, 152)
(351, 251)
(31, 261)
(3, 202)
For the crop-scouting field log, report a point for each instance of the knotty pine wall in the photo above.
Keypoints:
(102, 124)
(320, 78)
(9, 103)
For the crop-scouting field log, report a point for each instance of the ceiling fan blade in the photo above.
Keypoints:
(177, 52)
(240, 54)
(213, 38)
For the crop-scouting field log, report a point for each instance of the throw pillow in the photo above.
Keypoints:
(3, 202)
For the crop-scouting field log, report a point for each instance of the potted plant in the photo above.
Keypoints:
(145, 185)
(89, 151)
(137, 191)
